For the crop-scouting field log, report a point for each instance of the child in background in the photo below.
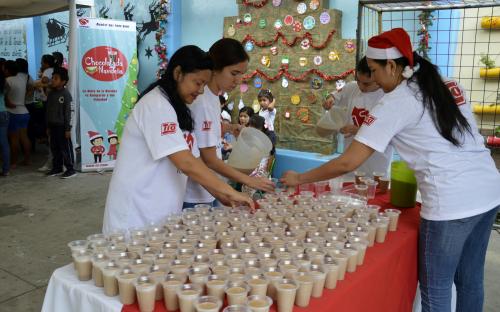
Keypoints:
(59, 124)
(227, 137)
(244, 116)
(267, 110)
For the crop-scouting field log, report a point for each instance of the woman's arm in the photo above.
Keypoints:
(352, 158)
(210, 158)
(196, 170)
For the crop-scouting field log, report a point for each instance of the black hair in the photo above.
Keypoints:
(61, 72)
(437, 98)
(362, 67)
(11, 67)
(257, 122)
(247, 110)
(226, 52)
(223, 103)
(58, 59)
(48, 59)
(93, 140)
(266, 93)
(189, 59)
(22, 65)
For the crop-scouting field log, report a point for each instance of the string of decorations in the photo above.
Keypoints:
(279, 34)
(258, 5)
(283, 71)
(161, 16)
(425, 19)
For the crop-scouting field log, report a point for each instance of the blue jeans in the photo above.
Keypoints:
(453, 252)
(4, 143)
(215, 203)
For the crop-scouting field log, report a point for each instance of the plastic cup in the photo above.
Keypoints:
(199, 277)
(237, 293)
(258, 303)
(331, 268)
(341, 259)
(336, 185)
(109, 279)
(286, 291)
(140, 267)
(157, 276)
(208, 304)
(305, 287)
(258, 284)
(393, 215)
(171, 285)
(216, 286)
(383, 185)
(78, 245)
(358, 175)
(361, 190)
(382, 228)
(372, 188)
(237, 308)
(320, 187)
(378, 175)
(126, 287)
(82, 260)
(145, 289)
(98, 262)
(187, 295)
(273, 276)
(319, 277)
(352, 261)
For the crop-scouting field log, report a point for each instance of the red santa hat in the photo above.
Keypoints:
(94, 135)
(111, 134)
(390, 45)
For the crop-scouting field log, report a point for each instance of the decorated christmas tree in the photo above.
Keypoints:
(129, 97)
(297, 52)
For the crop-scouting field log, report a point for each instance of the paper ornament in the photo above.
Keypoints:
(333, 56)
(339, 84)
(288, 114)
(303, 115)
(295, 99)
(349, 46)
(303, 61)
(311, 97)
(274, 50)
(297, 26)
(284, 82)
(231, 31)
(249, 46)
(305, 44)
(278, 24)
(314, 5)
(265, 60)
(257, 82)
(276, 3)
(324, 18)
(316, 83)
(285, 60)
(309, 22)
(288, 20)
(230, 105)
(247, 18)
(241, 104)
(301, 8)
(256, 106)
(318, 60)
(243, 87)
(262, 23)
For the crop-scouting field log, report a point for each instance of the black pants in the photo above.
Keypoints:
(62, 149)
(97, 158)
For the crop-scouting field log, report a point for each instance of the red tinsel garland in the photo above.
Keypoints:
(279, 34)
(255, 4)
(283, 71)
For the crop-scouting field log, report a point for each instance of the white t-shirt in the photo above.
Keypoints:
(269, 117)
(40, 94)
(455, 182)
(15, 90)
(358, 105)
(146, 186)
(207, 129)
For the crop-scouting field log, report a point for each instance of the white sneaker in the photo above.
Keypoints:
(45, 168)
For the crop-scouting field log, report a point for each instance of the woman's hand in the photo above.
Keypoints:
(261, 183)
(290, 178)
(349, 131)
(328, 103)
(233, 199)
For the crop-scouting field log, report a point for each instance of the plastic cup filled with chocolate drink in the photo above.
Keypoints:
(140, 267)
(382, 228)
(286, 291)
(358, 175)
(352, 261)
(236, 274)
(180, 267)
(208, 304)
(237, 308)
(187, 295)
(383, 185)
(157, 275)
(82, 260)
(171, 285)
(258, 284)
(258, 303)
(305, 284)
(126, 285)
(319, 278)
(237, 293)
(341, 259)
(216, 286)
(331, 268)
(393, 215)
(273, 275)
(361, 190)
(199, 277)
(109, 279)
(99, 260)
(288, 268)
(78, 245)
(145, 289)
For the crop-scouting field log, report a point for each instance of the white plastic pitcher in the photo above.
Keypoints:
(334, 119)
(252, 145)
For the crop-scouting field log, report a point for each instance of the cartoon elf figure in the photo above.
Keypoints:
(97, 148)
(113, 145)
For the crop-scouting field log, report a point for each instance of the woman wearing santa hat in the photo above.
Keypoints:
(430, 123)
(158, 150)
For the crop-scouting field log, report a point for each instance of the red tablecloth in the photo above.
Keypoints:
(386, 282)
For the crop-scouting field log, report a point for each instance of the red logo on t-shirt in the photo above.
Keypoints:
(207, 125)
(168, 128)
(189, 140)
(359, 115)
(369, 120)
(456, 92)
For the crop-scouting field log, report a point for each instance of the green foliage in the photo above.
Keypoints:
(487, 61)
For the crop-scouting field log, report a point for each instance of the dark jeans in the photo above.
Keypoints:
(4, 142)
(61, 148)
(453, 252)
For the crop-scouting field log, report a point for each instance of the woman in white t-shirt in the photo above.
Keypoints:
(230, 63)
(358, 98)
(430, 123)
(158, 150)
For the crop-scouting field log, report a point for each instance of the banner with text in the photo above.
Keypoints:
(107, 87)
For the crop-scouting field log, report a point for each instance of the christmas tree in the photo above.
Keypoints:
(129, 97)
(297, 52)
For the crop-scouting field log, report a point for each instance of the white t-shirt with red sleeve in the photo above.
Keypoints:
(358, 105)
(455, 182)
(205, 111)
(146, 186)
